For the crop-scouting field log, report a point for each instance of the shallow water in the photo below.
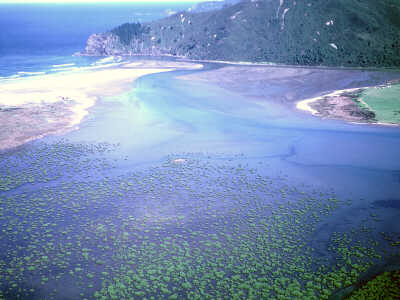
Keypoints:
(164, 115)
(182, 189)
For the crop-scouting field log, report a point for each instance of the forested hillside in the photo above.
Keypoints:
(310, 32)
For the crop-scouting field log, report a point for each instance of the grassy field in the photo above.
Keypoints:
(385, 102)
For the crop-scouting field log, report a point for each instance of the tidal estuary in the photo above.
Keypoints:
(189, 186)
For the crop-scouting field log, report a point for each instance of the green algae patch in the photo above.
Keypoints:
(208, 227)
(380, 281)
(384, 102)
(383, 286)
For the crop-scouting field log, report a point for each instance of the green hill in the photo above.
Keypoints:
(310, 32)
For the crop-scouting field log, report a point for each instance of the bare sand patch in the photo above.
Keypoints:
(179, 160)
(33, 107)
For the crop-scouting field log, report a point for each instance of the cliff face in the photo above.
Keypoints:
(309, 32)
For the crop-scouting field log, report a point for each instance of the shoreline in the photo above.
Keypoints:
(37, 106)
(34, 107)
(340, 105)
(279, 65)
(305, 104)
(289, 87)
(249, 63)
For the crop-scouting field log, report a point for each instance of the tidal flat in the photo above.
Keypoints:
(183, 189)
(34, 107)
(264, 83)
(192, 226)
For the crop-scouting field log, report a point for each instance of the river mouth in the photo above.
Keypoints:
(180, 189)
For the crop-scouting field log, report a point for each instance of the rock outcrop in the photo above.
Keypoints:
(104, 44)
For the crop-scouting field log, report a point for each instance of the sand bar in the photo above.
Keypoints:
(34, 107)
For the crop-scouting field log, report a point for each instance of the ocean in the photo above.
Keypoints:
(37, 39)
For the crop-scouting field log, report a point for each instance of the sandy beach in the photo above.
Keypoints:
(305, 105)
(31, 108)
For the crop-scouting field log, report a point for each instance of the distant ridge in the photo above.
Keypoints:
(211, 5)
(362, 33)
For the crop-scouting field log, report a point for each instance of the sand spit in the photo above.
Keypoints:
(305, 105)
(31, 108)
(338, 99)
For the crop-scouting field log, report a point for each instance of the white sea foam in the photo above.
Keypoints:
(108, 59)
(31, 73)
(94, 67)
(63, 65)
(65, 69)
(105, 60)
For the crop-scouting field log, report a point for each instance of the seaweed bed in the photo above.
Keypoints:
(379, 282)
(192, 226)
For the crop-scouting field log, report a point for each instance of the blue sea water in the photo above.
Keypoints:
(37, 38)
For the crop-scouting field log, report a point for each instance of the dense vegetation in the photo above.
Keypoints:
(313, 32)
(128, 31)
